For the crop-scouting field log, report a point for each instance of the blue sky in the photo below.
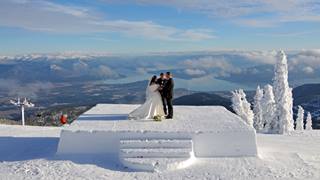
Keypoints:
(139, 26)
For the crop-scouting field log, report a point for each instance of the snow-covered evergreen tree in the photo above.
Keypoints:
(268, 110)
(283, 95)
(237, 103)
(242, 107)
(247, 108)
(300, 117)
(309, 122)
(258, 122)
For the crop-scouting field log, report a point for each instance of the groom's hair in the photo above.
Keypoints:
(161, 74)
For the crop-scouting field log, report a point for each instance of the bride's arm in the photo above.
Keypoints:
(157, 87)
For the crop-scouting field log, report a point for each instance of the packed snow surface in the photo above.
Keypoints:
(29, 153)
(186, 118)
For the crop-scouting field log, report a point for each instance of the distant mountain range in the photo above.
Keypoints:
(308, 96)
(203, 99)
(65, 97)
(84, 80)
(306, 93)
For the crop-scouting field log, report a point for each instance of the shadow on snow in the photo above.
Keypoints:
(32, 148)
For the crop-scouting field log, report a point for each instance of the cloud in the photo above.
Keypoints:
(195, 72)
(257, 13)
(79, 68)
(197, 34)
(55, 67)
(207, 62)
(101, 71)
(29, 90)
(209, 65)
(287, 34)
(105, 71)
(308, 70)
(51, 17)
(263, 57)
(141, 70)
(307, 60)
(151, 30)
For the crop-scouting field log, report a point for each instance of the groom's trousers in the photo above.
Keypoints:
(170, 107)
(164, 105)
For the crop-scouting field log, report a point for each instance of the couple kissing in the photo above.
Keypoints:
(159, 95)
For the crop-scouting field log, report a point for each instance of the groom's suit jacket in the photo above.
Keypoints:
(168, 88)
(161, 83)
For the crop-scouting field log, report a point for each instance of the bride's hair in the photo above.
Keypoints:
(153, 80)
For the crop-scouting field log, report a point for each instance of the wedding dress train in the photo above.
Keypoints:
(152, 106)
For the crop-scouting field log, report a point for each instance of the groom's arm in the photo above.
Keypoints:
(170, 84)
(169, 88)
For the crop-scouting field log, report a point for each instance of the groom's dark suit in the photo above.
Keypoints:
(168, 95)
(161, 83)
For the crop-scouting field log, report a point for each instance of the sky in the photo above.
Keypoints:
(140, 26)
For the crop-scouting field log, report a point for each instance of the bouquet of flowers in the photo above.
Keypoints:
(157, 118)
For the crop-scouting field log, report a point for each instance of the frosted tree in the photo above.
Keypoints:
(268, 107)
(258, 122)
(309, 122)
(237, 103)
(242, 107)
(300, 117)
(247, 108)
(283, 95)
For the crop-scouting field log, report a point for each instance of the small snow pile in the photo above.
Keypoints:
(242, 107)
(258, 123)
(299, 120)
(309, 122)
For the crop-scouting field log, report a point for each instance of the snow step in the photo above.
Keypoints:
(155, 153)
(150, 154)
(155, 143)
(151, 164)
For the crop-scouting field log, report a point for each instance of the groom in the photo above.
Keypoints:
(167, 93)
(161, 82)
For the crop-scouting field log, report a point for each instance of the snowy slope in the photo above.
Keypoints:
(29, 153)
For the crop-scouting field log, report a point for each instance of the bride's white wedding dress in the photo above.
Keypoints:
(152, 106)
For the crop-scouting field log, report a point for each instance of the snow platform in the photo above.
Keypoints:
(195, 131)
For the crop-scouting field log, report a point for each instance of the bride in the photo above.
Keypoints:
(152, 106)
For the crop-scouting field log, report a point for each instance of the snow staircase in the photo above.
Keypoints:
(155, 154)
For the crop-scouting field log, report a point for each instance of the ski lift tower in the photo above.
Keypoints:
(22, 105)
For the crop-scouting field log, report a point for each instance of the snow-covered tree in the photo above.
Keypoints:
(268, 110)
(258, 122)
(236, 102)
(283, 95)
(300, 117)
(309, 122)
(242, 107)
(247, 108)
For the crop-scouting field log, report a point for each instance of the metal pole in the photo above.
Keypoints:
(22, 114)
